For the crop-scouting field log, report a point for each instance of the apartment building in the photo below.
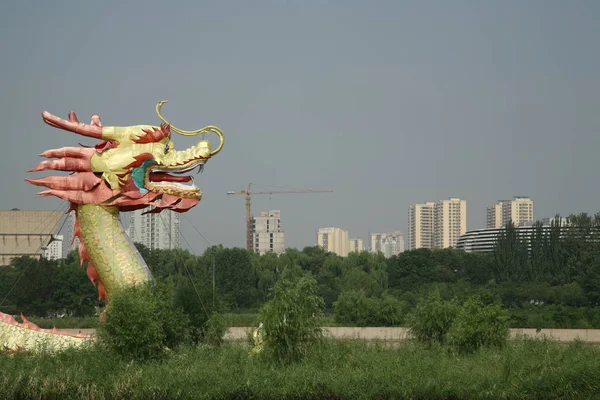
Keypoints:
(436, 224)
(334, 240)
(155, 231)
(420, 226)
(355, 245)
(449, 222)
(267, 235)
(390, 244)
(519, 210)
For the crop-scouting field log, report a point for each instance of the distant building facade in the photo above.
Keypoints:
(334, 240)
(484, 240)
(71, 242)
(155, 231)
(436, 225)
(449, 222)
(54, 249)
(355, 245)
(390, 244)
(26, 232)
(420, 226)
(519, 210)
(267, 234)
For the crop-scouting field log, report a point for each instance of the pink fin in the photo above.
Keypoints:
(85, 181)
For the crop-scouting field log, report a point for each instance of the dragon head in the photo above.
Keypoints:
(132, 167)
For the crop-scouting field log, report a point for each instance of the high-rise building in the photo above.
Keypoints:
(54, 249)
(70, 243)
(26, 233)
(155, 231)
(355, 245)
(519, 210)
(390, 244)
(449, 222)
(334, 240)
(420, 226)
(267, 235)
(494, 216)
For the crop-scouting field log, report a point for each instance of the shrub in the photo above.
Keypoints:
(432, 319)
(133, 327)
(355, 308)
(174, 321)
(477, 325)
(214, 330)
(291, 319)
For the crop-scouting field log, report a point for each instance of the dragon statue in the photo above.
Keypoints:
(131, 168)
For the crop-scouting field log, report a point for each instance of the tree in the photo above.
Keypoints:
(291, 319)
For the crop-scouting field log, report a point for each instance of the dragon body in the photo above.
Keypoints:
(131, 168)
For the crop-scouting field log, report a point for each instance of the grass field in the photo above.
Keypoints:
(334, 370)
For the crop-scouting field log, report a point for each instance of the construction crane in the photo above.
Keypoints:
(248, 193)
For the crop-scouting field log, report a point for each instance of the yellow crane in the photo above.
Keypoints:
(248, 193)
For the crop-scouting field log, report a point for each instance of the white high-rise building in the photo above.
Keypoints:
(390, 244)
(334, 240)
(54, 249)
(519, 210)
(449, 222)
(436, 224)
(420, 226)
(267, 235)
(155, 231)
(70, 244)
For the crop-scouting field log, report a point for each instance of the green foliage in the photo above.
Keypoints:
(432, 319)
(174, 321)
(477, 326)
(354, 308)
(133, 328)
(215, 329)
(556, 284)
(525, 369)
(291, 319)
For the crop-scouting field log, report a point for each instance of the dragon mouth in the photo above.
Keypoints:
(171, 180)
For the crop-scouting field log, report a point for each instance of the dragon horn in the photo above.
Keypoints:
(206, 129)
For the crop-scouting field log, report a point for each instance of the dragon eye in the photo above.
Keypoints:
(166, 147)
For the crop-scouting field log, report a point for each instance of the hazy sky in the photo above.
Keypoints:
(389, 103)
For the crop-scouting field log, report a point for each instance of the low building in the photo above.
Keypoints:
(27, 233)
(484, 240)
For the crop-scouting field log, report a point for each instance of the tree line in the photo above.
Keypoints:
(543, 280)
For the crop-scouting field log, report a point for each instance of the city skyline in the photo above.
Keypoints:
(387, 104)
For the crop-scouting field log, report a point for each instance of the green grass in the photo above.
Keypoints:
(66, 322)
(335, 370)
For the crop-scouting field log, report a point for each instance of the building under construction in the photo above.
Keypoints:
(27, 233)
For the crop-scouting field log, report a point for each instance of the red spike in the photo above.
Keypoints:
(101, 291)
(185, 204)
(64, 164)
(72, 126)
(83, 254)
(97, 195)
(76, 231)
(92, 273)
(83, 181)
(154, 134)
(63, 152)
